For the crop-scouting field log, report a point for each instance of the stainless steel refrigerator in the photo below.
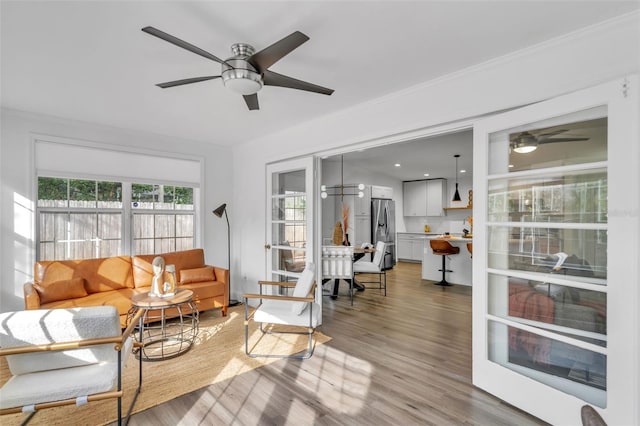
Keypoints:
(383, 227)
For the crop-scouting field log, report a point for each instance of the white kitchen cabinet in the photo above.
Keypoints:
(414, 200)
(410, 247)
(404, 248)
(384, 192)
(424, 197)
(436, 194)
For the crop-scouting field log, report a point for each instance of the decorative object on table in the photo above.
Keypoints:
(171, 283)
(274, 311)
(337, 234)
(219, 212)
(157, 283)
(345, 223)
(456, 195)
(64, 357)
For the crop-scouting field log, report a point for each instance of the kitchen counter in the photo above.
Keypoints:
(460, 263)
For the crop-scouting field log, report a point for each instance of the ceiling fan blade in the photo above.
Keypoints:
(252, 101)
(562, 140)
(272, 54)
(271, 78)
(181, 43)
(552, 133)
(186, 81)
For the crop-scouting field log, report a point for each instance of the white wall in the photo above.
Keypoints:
(577, 61)
(17, 249)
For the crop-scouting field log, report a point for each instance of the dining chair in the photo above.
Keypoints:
(375, 266)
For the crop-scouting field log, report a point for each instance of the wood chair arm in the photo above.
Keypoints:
(118, 341)
(278, 283)
(278, 297)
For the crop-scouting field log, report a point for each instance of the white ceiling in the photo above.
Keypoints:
(89, 61)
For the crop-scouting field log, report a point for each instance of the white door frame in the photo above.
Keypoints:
(308, 164)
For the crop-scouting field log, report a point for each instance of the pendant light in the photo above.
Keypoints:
(456, 196)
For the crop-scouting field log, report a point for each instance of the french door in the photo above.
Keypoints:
(290, 213)
(555, 301)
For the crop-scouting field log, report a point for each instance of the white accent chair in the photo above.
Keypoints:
(375, 266)
(64, 356)
(299, 310)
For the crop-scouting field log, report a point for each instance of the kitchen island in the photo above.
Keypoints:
(460, 263)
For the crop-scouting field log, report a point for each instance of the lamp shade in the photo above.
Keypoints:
(220, 210)
(456, 195)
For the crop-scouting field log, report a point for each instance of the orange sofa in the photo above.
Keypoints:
(114, 280)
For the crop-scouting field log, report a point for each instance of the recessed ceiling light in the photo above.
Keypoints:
(397, 164)
(463, 171)
(426, 174)
(511, 166)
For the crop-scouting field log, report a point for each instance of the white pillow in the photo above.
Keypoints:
(303, 287)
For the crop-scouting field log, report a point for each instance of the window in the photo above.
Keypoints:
(80, 218)
(162, 218)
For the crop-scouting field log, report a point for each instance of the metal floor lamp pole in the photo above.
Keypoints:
(218, 212)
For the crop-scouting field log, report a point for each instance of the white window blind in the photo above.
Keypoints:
(59, 156)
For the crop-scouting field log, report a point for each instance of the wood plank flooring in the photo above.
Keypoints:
(401, 359)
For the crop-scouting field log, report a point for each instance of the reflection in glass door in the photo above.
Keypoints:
(551, 282)
(547, 253)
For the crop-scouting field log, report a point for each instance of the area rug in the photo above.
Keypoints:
(218, 354)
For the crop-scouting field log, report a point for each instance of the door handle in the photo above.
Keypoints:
(267, 246)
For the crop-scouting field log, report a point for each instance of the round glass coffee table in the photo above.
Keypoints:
(169, 325)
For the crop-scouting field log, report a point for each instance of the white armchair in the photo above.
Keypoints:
(299, 310)
(376, 266)
(63, 357)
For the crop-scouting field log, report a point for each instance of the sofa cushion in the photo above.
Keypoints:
(186, 259)
(197, 275)
(102, 274)
(206, 289)
(61, 290)
(120, 299)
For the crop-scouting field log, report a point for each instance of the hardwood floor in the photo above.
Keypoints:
(400, 359)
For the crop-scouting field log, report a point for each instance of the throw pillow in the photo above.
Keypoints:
(61, 290)
(197, 275)
(303, 287)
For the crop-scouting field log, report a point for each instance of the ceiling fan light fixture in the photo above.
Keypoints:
(525, 149)
(242, 81)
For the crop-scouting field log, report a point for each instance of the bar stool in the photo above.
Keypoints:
(470, 248)
(443, 248)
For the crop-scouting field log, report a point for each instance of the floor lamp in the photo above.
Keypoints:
(218, 212)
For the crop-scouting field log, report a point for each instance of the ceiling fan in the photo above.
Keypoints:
(247, 71)
(525, 142)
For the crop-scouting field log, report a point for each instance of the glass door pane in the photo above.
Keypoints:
(290, 220)
(547, 252)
